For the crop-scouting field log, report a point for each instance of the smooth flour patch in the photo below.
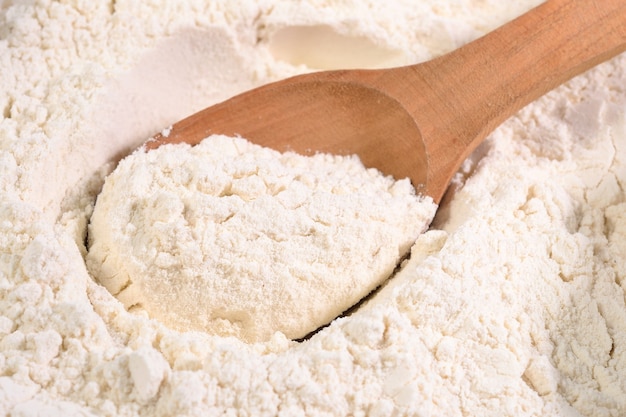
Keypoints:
(512, 305)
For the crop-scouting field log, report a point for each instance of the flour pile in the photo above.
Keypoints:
(512, 304)
(238, 240)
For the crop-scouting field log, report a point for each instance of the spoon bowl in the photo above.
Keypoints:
(333, 116)
(420, 121)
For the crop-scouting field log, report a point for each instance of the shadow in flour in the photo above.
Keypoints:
(323, 47)
(179, 76)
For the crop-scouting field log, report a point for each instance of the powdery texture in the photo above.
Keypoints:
(238, 240)
(512, 305)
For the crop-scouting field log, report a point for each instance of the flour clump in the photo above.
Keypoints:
(238, 240)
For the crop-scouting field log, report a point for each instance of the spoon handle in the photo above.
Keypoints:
(473, 89)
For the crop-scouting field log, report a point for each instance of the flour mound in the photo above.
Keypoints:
(234, 239)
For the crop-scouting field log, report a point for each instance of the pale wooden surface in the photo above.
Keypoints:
(422, 121)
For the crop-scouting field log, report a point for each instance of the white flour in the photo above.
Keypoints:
(238, 240)
(513, 306)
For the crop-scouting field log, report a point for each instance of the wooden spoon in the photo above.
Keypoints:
(421, 121)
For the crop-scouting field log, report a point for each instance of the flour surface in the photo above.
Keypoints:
(234, 239)
(512, 304)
